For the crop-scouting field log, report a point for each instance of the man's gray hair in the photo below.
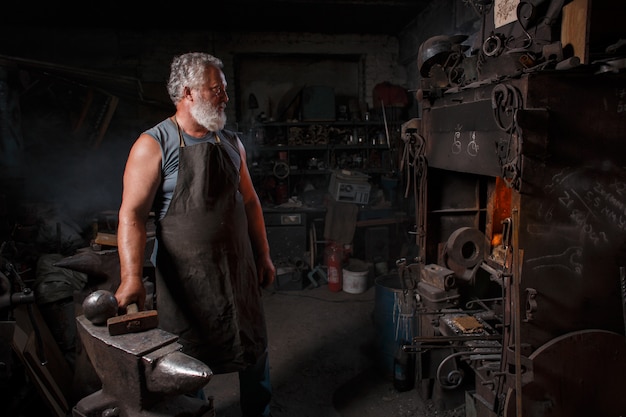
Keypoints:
(186, 71)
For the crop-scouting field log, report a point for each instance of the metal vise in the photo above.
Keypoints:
(143, 374)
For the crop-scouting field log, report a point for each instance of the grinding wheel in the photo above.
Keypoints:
(579, 374)
(465, 248)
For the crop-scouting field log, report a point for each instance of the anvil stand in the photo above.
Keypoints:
(143, 374)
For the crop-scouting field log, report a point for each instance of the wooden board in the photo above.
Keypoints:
(575, 28)
(53, 376)
(107, 239)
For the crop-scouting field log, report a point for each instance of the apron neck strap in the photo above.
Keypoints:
(180, 134)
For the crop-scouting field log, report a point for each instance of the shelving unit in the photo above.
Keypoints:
(300, 156)
(298, 159)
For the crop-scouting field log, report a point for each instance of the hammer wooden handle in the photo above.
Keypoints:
(133, 321)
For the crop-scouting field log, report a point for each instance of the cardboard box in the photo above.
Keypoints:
(350, 187)
(290, 278)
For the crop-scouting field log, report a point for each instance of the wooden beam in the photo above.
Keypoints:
(576, 27)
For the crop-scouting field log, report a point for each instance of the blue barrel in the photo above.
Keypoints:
(394, 320)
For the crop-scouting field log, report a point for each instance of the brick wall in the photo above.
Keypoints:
(147, 54)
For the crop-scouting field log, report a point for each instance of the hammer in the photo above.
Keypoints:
(101, 306)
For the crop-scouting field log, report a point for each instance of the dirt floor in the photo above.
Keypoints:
(324, 360)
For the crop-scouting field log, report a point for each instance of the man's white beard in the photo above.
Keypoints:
(211, 117)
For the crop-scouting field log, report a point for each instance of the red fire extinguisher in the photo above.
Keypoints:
(334, 263)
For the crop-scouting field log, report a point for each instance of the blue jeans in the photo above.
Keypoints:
(255, 389)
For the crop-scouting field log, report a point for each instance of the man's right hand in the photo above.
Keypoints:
(131, 291)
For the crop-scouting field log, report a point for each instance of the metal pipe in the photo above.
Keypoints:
(622, 281)
(435, 339)
(518, 261)
(472, 358)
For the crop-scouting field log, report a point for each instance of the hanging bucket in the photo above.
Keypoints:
(394, 320)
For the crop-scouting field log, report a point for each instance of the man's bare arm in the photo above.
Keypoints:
(142, 177)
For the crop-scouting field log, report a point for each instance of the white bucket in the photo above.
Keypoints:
(355, 276)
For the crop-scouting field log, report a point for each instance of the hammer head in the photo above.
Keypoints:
(133, 321)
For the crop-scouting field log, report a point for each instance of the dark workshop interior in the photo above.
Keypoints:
(443, 185)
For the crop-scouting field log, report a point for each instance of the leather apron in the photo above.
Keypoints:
(207, 288)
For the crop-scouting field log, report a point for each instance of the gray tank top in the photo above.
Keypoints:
(166, 134)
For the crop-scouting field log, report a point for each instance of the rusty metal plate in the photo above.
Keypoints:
(461, 138)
